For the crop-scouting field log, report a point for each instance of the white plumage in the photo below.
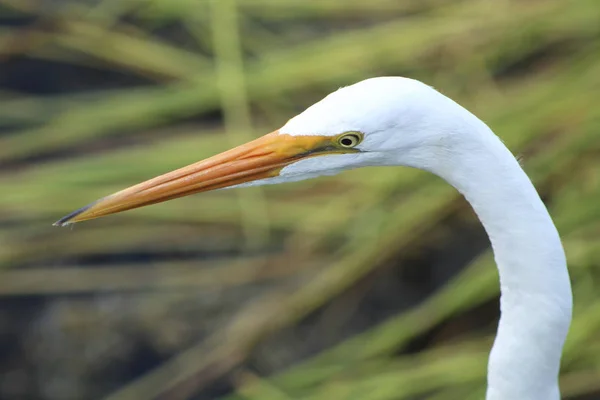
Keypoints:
(403, 122)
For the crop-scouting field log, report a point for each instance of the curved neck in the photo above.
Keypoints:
(535, 300)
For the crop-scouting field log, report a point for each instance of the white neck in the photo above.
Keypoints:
(536, 300)
(409, 123)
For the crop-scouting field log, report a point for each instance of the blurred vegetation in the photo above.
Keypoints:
(375, 284)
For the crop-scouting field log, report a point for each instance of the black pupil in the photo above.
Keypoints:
(347, 141)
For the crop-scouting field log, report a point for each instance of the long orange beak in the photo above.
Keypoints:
(258, 159)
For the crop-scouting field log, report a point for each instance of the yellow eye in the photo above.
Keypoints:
(350, 139)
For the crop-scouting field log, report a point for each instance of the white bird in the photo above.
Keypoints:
(395, 121)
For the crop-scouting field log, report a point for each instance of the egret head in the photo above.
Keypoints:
(379, 121)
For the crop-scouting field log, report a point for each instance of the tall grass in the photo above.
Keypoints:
(226, 71)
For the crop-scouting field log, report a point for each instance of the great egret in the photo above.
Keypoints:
(395, 121)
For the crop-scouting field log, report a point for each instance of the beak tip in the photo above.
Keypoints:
(70, 218)
(61, 222)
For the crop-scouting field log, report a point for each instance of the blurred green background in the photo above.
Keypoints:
(375, 284)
